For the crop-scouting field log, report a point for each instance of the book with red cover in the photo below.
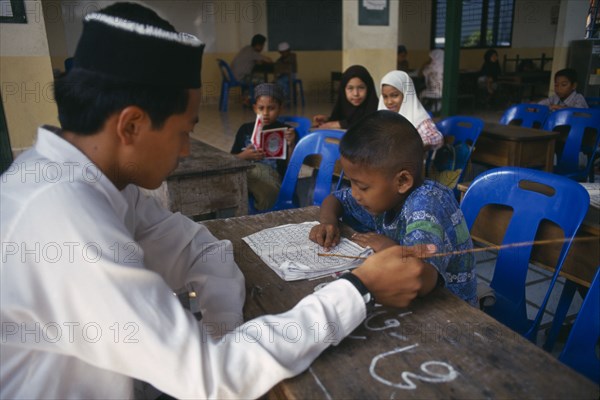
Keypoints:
(271, 141)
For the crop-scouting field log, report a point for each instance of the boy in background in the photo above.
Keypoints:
(390, 203)
(286, 67)
(264, 180)
(565, 94)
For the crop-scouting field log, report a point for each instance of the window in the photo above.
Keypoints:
(485, 23)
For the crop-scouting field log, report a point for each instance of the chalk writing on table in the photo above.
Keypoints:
(436, 371)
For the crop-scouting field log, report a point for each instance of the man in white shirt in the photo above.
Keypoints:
(89, 265)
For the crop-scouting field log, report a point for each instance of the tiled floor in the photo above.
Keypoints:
(219, 129)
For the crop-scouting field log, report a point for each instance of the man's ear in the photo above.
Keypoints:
(404, 181)
(131, 121)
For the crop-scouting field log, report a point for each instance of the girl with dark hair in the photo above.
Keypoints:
(357, 97)
(490, 71)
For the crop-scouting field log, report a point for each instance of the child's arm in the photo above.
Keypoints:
(251, 154)
(327, 233)
(373, 240)
(319, 120)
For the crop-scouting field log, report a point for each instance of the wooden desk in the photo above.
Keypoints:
(209, 183)
(510, 145)
(388, 356)
(582, 260)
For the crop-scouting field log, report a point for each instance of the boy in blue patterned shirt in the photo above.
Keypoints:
(390, 203)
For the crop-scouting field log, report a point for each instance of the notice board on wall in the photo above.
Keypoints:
(305, 24)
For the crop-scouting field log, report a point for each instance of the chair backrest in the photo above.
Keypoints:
(301, 124)
(226, 72)
(580, 350)
(463, 130)
(533, 196)
(578, 121)
(324, 142)
(593, 102)
(527, 115)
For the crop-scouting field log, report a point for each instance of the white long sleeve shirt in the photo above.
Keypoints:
(87, 305)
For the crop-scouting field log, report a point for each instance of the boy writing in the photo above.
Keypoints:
(391, 204)
(565, 94)
(264, 180)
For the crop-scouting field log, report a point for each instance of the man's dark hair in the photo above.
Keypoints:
(258, 39)
(568, 73)
(86, 99)
(384, 140)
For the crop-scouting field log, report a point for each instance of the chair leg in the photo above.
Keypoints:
(224, 97)
(221, 97)
(566, 297)
(299, 83)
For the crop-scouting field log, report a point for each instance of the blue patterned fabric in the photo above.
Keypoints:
(430, 215)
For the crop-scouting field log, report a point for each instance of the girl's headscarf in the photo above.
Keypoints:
(343, 110)
(411, 107)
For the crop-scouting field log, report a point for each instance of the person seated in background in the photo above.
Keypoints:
(489, 73)
(390, 203)
(398, 95)
(264, 179)
(249, 56)
(357, 97)
(402, 58)
(565, 91)
(285, 68)
(433, 72)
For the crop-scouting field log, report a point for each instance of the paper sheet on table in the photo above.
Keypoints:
(287, 250)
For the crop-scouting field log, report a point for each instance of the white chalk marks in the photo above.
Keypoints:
(435, 371)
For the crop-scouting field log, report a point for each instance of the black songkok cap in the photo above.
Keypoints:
(269, 89)
(138, 53)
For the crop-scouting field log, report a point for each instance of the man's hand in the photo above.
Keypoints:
(396, 275)
(373, 240)
(326, 235)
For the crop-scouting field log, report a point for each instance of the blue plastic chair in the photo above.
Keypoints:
(580, 350)
(564, 203)
(463, 130)
(593, 102)
(324, 142)
(527, 115)
(229, 81)
(302, 125)
(578, 120)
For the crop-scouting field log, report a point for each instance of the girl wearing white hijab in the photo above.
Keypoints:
(398, 95)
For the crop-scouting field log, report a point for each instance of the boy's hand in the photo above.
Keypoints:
(251, 154)
(319, 119)
(373, 240)
(397, 275)
(325, 235)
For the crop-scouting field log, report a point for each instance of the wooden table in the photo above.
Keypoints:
(510, 145)
(210, 183)
(439, 347)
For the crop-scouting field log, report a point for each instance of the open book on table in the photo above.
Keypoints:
(271, 141)
(288, 251)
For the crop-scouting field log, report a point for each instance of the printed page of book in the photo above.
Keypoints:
(288, 251)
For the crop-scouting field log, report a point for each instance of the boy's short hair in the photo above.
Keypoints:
(258, 39)
(272, 90)
(401, 49)
(384, 140)
(568, 73)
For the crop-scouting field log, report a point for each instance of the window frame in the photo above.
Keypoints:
(482, 27)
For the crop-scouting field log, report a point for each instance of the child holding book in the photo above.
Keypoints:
(264, 180)
(565, 91)
(389, 203)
